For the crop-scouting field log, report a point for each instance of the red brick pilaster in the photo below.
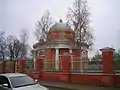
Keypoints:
(22, 66)
(66, 64)
(3, 66)
(13, 66)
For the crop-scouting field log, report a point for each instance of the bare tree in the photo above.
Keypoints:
(32, 54)
(17, 48)
(10, 47)
(119, 51)
(78, 17)
(43, 26)
(24, 41)
(2, 45)
(13, 47)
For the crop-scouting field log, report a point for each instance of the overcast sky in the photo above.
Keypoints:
(105, 17)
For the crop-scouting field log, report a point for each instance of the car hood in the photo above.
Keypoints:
(32, 87)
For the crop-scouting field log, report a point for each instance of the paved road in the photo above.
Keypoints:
(54, 88)
(101, 88)
(64, 86)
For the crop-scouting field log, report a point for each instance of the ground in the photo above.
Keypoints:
(67, 86)
(87, 88)
(54, 88)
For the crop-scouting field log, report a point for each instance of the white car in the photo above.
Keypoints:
(18, 81)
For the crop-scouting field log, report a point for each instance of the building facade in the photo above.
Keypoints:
(60, 40)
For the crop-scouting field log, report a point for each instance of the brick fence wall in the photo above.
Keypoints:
(107, 78)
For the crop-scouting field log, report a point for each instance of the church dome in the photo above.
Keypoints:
(60, 26)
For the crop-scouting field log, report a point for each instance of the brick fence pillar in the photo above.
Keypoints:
(108, 60)
(38, 68)
(13, 66)
(3, 66)
(65, 62)
(108, 66)
(22, 66)
(38, 65)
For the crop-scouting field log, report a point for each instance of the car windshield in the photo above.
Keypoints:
(21, 81)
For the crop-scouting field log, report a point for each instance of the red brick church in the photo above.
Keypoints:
(60, 41)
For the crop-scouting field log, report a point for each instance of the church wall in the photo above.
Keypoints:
(56, 35)
(53, 36)
(50, 54)
(62, 51)
(69, 35)
(49, 59)
(60, 35)
(76, 54)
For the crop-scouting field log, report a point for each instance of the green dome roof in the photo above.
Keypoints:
(60, 26)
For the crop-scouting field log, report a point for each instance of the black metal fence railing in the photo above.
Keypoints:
(29, 65)
(9, 66)
(77, 66)
(81, 66)
(117, 65)
(49, 66)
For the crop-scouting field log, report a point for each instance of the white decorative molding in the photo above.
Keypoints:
(57, 59)
(70, 51)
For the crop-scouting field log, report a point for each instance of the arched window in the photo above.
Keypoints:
(41, 53)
